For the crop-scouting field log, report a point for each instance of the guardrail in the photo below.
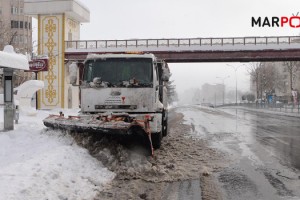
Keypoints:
(96, 44)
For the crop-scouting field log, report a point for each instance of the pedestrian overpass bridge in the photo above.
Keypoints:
(231, 49)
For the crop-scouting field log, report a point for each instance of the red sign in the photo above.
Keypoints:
(38, 65)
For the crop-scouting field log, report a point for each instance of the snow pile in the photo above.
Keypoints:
(25, 94)
(8, 58)
(73, 72)
(40, 164)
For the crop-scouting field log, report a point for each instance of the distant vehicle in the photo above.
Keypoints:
(208, 105)
(260, 101)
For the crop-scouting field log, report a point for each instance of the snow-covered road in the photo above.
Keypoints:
(40, 164)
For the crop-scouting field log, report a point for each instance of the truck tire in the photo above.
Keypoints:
(156, 139)
(165, 124)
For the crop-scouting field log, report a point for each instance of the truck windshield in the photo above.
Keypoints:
(116, 71)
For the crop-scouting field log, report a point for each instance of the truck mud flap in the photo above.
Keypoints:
(142, 137)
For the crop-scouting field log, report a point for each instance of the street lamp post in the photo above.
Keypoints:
(235, 68)
(223, 80)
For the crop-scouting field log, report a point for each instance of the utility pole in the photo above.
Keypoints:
(235, 68)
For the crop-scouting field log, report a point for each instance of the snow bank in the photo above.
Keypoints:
(25, 94)
(40, 164)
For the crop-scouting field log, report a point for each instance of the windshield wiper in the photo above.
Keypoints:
(146, 84)
(133, 83)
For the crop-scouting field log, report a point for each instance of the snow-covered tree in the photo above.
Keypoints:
(172, 94)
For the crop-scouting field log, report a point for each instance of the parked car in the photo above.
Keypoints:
(279, 104)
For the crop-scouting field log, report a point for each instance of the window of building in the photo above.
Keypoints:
(14, 24)
(29, 25)
(14, 10)
(21, 24)
(21, 39)
(0, 11)
(15, 39)
(26, 25)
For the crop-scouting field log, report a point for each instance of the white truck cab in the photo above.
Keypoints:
(131, 84)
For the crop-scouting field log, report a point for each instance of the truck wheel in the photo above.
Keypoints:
(165, 124)
(156, 140)
(165, 127)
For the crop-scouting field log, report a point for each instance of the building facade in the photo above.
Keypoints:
(213, 94)
(287, 78)
(15, 26)
(277, 79)
(16, 30)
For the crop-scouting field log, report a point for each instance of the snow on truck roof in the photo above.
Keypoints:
(103, 56)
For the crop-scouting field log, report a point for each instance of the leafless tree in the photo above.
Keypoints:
(268, 75)
(255, 73)
(264, 75)
(292, 67)
(7, 37)
(7, 34)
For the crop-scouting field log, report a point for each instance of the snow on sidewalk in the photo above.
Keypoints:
(40, 164)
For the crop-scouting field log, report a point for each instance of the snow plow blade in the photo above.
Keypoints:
(117, 124)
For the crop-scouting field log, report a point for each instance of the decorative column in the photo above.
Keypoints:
(53, 31)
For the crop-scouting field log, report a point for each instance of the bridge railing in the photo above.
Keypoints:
(99, 44)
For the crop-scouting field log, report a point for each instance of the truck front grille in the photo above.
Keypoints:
(131, 107)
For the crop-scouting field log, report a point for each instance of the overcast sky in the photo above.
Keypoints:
(145, 19)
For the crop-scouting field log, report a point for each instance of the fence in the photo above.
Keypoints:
(286, 108)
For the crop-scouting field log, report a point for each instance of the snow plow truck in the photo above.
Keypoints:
(123, 94)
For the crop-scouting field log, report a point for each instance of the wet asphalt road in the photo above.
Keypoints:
(263, 149)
